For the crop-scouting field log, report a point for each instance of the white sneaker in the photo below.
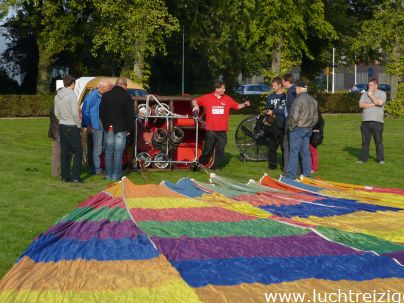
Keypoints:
(382, 162)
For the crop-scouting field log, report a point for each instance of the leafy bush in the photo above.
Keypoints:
(25, 105)
(39, 105)
(395, 108)
(329, 103)
(338, 103)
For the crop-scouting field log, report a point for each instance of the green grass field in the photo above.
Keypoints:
(31, 200)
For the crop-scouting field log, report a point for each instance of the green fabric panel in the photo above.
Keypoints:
(220, 189)
(231, 184)
(260, 188)
(360, 241)
(88, 213)
(256, 228)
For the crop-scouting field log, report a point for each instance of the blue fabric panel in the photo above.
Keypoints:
(50, 249)
(300, 185)
(185, 187)
(305, 210)
(276, 270)
(324, 208)
(355, 205)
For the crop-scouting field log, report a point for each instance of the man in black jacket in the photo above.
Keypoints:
(116, 114)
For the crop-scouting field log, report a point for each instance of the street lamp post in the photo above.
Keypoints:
(333, 71)
(183, 61)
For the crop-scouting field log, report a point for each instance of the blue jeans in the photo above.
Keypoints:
(114, 147)
(299, 140)
(97, 149)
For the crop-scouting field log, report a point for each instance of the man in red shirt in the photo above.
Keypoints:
(217, 108)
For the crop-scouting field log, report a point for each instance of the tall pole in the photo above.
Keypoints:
(183, 60)
(333, 71)
(355, 73)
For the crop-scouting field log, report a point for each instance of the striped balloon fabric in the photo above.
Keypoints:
(96, 253)
(224, 241)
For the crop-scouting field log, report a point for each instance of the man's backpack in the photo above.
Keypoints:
(317, 135)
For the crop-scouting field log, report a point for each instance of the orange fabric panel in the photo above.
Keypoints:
(81, 275)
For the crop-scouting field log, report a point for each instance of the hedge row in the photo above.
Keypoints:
(39, 105)
(25, 105)
(329, 103)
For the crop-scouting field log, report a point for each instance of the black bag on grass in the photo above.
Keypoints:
(317, 135)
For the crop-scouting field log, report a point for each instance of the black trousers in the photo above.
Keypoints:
(285, 150)
(70, 143)
(213, 140)
(369, 128)
(275, 139)
(90, 147)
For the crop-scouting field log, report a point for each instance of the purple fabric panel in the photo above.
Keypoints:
(86, 230)
(398, 255)
(176, 249)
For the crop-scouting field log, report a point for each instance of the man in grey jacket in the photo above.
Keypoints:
(372, 102)
(67, 112)
(302, 117)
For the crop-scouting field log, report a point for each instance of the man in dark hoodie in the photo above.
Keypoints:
(67, 112)
(287, 82)
(116, 114)
(275, 106)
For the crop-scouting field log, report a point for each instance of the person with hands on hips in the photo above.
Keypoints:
(217, 108)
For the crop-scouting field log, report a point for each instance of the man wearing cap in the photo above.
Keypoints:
(372, 102)
(302, 117)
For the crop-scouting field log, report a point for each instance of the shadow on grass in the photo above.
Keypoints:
(226, 160)
(356, 152)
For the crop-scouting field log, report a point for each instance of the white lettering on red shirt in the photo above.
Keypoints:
(217, 110)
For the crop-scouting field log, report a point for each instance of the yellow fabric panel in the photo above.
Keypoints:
(322, 184)
(169, 292)
(165, 202)
(345, 185)
(148, 190)
(115, 190)
(384, 199)
(81, 275)
(251, 293)
(386, 225)
(140, 191)
(246, 208)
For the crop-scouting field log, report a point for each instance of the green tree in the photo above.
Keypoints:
(252, 36)
(21, 55)
(7, 84)
(385, 32)
(55, 25)
(134, 30)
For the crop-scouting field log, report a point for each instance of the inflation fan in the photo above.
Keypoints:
(251, 140)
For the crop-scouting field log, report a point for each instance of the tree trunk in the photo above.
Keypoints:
(138, 66)
(276, 60)
(394, 76)
(44, 69)
(230, 78)
(133, 68)
(127, 67)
